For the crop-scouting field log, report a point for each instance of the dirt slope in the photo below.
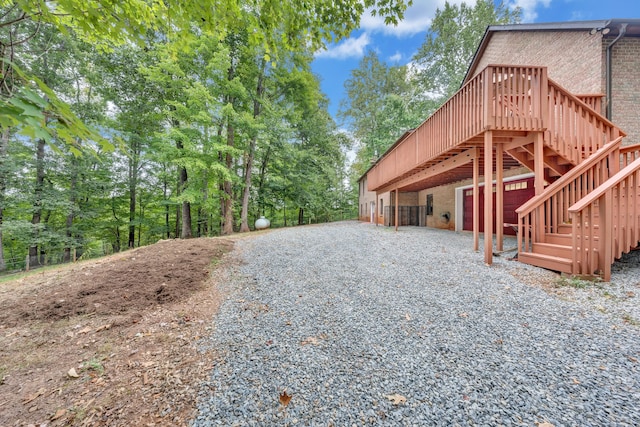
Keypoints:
(110, 341)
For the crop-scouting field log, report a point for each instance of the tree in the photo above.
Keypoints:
(452, 39)
(378, 108)
(277, 25)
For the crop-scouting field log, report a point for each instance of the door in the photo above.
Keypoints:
(516, 193)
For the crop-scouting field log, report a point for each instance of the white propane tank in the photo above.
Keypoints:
(262, 223)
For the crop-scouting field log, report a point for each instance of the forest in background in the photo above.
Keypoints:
(124, 124)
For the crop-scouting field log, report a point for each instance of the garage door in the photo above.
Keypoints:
(515, 194)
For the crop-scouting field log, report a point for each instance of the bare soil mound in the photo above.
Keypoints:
(110, 341)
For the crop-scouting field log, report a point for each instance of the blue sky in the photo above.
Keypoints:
(396, 45)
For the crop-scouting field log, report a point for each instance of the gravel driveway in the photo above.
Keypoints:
(365, 326)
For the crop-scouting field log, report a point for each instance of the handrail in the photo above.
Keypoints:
(555, 187)
(605, 186)
(583, 104)
(575, 129)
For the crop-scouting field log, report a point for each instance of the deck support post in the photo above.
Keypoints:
(499, 198)
(375, 210)
(476, 202)
(396, 209)
(538, 165)
(488, 197)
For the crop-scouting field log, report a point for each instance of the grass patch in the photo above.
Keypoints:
(94, 365)
(578, 282)
(627, 318)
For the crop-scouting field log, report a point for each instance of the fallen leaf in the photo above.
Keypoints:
(463, 315)
(575, 381)
(72, 373)
(84, 330)
(34, 396)
(103, 328)
(633, 359)
(59, 414)
(407, 316)
(545, 424)
(396, 398)
(310, 340)
(285, 398)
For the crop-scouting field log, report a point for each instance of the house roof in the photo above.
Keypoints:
(633, 30)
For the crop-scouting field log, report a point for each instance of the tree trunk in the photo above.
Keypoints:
(183, 180)
(4, 143)
(244, 214)
(227, 225)
(37, 202)
(300, 216)
(263, 172)
(165, 190)
(133, 188)
(116, 243)
(72, 209)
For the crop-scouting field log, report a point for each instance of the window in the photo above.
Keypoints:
(430, 204)
(381, 204)
(516, 186)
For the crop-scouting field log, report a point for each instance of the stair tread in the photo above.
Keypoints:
(552, 245)
(546, 257)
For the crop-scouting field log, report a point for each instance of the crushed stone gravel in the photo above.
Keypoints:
(350, 319)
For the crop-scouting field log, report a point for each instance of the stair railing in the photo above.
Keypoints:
(615, 205)
(629, 153)
(544, 213)
(575, 130)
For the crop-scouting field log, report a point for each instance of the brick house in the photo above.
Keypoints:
(566, 91)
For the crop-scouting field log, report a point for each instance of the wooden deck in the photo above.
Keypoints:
(511, 116)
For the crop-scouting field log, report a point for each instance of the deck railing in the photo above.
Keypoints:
(615, 207)
(594, 101)
(628, 154)
(575, 130)
(500, 97)
(546, 212)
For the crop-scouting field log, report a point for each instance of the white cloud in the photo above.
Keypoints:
(396, 57)
(350, 48)
(529, 7)
(417, 19)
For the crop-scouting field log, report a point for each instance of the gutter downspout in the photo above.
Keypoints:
(622, 31)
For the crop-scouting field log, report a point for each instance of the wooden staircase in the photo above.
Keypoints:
(590, 213)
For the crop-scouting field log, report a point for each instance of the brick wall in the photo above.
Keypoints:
(572, 58)
(625, 86)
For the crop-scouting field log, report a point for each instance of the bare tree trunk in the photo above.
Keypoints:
(116, 244)
(183, 181)
(165, 191)
(4, 143)
(227, 225)
(244, 214)
(37, 201)
(133, 188)
(72, 209)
